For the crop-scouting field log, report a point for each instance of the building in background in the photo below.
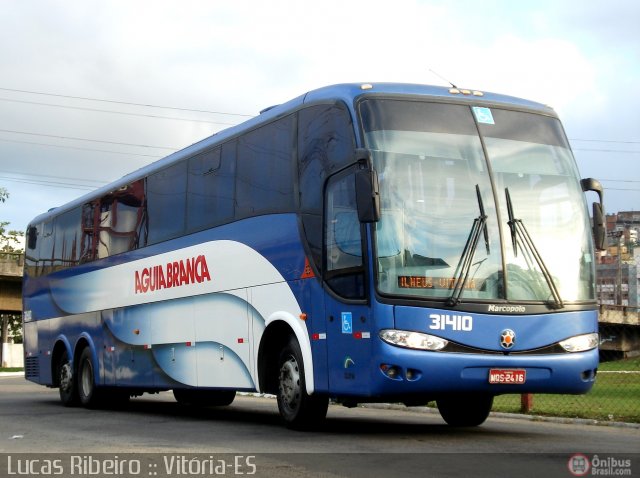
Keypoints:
(617, 273)
(617, 286)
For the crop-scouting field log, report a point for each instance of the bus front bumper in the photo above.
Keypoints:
(402, 371)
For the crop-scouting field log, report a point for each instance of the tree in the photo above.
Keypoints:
(10, 243)
(9, 240)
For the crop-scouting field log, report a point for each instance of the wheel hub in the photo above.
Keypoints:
(87, 379)
(290, 382)
(66, 377)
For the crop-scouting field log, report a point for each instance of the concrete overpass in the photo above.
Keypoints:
(11, 266)
(620, 330)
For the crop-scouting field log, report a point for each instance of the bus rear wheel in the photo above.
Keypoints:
(88, 392)
(66, 381)
(465, 409)
(298, 409)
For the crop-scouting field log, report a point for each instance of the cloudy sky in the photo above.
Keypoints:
(83, 81)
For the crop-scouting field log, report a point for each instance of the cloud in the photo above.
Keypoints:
(241, 56)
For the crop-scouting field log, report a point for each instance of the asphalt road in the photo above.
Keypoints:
(366, 442)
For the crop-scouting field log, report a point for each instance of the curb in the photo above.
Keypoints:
(11, 374)
(517, 416)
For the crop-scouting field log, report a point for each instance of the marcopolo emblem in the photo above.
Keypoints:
(507, 339)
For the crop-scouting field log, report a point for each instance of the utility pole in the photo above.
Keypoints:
(618, 235)
(4, 328)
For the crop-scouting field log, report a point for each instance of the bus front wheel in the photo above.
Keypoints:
(465, 409)
(298, 409)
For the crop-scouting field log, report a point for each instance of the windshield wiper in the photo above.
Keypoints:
(469, 251)
(519, 230)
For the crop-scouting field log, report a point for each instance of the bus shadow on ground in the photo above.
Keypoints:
(266, 414)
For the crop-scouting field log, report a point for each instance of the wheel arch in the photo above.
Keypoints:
(279, 327)
(83, 342)
(61, 345)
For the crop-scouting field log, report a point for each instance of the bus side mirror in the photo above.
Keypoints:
(599, 226)
(367, 188)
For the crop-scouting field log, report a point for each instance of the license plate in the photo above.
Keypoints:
(507, 376)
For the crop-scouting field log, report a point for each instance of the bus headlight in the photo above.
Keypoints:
(580, 343)
(413, 340)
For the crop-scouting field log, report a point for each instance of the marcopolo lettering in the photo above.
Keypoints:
(506, 308)
(173, 274)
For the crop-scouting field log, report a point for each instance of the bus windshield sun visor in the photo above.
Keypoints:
(519, 234)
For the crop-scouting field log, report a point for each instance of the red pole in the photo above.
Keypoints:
(526, 402)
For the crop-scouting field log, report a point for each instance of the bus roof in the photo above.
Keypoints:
(347, 93)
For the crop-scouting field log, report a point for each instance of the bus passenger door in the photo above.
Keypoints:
(347, 311)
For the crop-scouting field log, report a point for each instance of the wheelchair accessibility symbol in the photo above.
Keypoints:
(347, 323)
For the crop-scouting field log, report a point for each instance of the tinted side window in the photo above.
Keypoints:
(264, 169)
(326, 144)
(47, 249)
(211, 188)
(167, 202)
(31, 251)
(67, 239)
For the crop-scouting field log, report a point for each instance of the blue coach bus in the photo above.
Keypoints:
(360, 243)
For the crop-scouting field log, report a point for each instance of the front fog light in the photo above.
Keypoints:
(580, 343)
(413, 340)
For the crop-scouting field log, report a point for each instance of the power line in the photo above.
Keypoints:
(125, 103)
(606, 150)
(115, 112)
(99, 182)
(602, 140)
(622, 180)
(88, 140)
(53, 184)
(79, 148)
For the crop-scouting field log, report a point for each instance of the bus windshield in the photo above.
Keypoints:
(459, 221)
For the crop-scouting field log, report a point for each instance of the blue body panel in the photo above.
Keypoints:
(345, 347)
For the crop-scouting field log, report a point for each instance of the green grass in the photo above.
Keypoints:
(11, 369)
(614, 397)
(628, 364)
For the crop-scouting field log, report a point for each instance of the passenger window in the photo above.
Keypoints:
(211, 188)
(326, 144)
(114, 223)
(67, 239)
(264, 169)
(167, 202)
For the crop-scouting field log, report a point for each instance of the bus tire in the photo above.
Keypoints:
(299, 410)
(204, 398)
(66, 381)
(88, 392)
(465, 409)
